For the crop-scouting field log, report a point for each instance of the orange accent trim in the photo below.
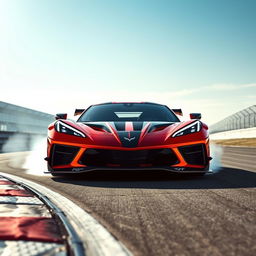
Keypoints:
(129, 149)
(182, 160)
(77, 157)
(207, 147)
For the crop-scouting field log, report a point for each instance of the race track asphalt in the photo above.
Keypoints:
(155, 213)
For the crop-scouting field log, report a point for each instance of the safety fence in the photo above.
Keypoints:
(245, 118)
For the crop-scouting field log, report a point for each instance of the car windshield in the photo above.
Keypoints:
(128, 112)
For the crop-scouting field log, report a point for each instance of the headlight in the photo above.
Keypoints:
(65, 128)
(191, 128)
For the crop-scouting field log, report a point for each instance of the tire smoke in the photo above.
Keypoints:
(32, 150)
(216, 154)
(35, 163)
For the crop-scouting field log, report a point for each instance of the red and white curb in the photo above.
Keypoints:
(26, 225)
(95, 238)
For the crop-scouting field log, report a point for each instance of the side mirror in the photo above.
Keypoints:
(177, 111)
(195, 115)
(61, 116)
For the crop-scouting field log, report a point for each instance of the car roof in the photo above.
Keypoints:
(127, 102)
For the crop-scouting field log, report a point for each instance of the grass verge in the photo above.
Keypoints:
(246, 142)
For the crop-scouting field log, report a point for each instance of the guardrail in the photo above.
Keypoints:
(19, 126)
(245, 118)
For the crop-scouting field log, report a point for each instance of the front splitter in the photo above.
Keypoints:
(86, 169)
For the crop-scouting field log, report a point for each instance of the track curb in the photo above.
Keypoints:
(95, 238)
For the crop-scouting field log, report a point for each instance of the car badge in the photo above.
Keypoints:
(129, 139)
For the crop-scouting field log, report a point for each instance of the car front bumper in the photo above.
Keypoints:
(182, 158)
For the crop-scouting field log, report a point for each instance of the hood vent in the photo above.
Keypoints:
(158, 127)
(99, 127)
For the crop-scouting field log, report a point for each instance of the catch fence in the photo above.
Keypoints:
(245, 118)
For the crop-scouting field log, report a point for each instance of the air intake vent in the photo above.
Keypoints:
(62, 155)
(134, 158)
(194, 154)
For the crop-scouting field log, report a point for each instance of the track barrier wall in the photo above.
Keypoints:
(20, 126)
(243, 119)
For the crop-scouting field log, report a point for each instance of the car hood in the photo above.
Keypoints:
(130, 134)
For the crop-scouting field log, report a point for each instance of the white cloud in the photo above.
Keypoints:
(250, 85)
(228, 87)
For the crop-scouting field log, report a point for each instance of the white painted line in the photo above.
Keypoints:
(12, 210)
(96, 239)
(20, 200)
(1, 178)
(18, 248)
(14, 187)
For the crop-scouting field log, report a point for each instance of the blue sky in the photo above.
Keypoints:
(199, 55)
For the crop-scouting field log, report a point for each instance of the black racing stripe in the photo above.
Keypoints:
(120, 126)
(137, 126)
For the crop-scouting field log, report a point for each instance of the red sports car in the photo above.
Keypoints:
(125, 136)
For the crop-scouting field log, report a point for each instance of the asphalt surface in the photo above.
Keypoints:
(163, 214)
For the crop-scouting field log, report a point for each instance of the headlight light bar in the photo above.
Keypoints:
(65, 128)
(191, 128)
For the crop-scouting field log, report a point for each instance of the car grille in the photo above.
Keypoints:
(194, 154)
(62, 155)
(123, 158)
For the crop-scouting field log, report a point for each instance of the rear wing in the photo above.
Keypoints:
(79, 111)
(177, 111)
